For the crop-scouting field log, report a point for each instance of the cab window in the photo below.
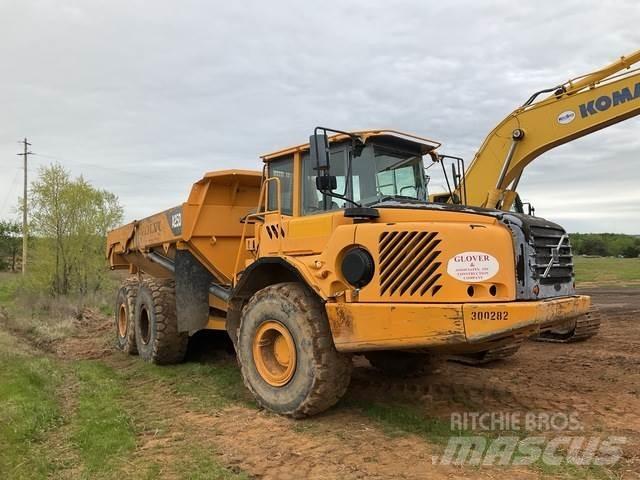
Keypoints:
(379, 171)
(313, 200)
(282, 169)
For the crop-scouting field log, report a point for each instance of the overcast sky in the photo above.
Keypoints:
(142, 97)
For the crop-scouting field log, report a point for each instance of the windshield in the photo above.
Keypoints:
(379, 172)
(386, 172)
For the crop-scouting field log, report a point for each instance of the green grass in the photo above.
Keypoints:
(206, 385)
(607, 270)
(401, 419)
(199, 464)
(571, 471)
(103, 432)
(8, 284)
(29, 411)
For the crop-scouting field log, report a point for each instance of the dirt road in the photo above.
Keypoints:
(384, 428)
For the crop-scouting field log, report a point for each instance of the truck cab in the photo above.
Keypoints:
(393, 269)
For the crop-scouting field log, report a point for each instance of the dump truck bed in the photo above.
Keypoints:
(208, 224)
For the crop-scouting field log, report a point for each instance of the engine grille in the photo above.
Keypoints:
(408, 263)
(551, 245)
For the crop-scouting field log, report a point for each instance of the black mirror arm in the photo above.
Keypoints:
(341, 197)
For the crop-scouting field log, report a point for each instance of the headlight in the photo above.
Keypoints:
(357, 267)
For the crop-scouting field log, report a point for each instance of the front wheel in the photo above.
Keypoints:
(286, 352)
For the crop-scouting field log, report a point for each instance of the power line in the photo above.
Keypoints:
(25, 225)
(157, 176)
(10, 191)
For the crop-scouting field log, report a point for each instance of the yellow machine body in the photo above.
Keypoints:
(443, 278)
(576, 108)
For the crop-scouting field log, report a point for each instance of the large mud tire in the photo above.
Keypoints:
(320, 374)
(124, 316)
(157, 336)
(403, 364)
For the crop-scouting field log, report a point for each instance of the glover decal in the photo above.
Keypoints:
(473, 266)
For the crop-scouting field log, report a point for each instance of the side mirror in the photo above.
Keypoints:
(326, 183)
(319, 151)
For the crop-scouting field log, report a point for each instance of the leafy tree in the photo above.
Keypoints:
(605, 244)
(594, 245)
(69, 222)
(631, 251)
(10, 243)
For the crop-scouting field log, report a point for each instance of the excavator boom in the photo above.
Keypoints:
(580, 106)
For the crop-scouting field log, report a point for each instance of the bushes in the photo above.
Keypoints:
(10, 244)
(606, 244)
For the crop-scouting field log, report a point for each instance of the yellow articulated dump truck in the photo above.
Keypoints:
(334, 250)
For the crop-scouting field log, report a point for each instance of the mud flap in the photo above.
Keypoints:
(192, 292)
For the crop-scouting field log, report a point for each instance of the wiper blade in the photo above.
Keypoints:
(398, 164)
(400, 197)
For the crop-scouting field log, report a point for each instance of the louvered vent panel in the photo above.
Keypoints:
(408, 263)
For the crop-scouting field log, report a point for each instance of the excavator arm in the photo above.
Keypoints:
(580, 106)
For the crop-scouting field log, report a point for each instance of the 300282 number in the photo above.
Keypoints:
(490, 315)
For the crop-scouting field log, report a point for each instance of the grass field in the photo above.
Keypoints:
(607, 270)
(74, 419)
(8, 282)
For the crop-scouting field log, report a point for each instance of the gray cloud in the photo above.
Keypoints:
(142, 98)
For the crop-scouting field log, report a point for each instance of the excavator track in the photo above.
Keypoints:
(587, 326)
(488, 356)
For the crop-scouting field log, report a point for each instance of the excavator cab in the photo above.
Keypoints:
(456, 191)
(525, 208)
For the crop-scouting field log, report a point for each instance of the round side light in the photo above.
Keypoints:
(358, 267)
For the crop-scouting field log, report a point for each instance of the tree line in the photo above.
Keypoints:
(68, 222)
(606, 244)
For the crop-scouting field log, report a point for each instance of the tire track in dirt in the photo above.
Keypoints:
(598, 379)
(338, 444)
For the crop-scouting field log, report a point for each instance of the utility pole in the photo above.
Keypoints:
(25, 226)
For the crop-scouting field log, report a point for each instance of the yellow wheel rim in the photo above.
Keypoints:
(122, 320)
(274, 353)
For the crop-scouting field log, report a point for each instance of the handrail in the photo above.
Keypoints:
(262, 202)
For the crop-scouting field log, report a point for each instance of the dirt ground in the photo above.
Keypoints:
(598, 381)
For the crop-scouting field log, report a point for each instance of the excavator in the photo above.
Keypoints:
(569, 111)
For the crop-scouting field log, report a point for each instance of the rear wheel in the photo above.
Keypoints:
(124, 316)
(286, 352)
(157, 336)
(402, 364)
